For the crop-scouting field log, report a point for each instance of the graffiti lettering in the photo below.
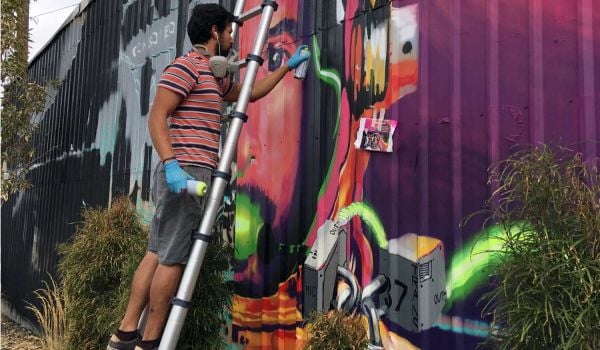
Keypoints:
(152, 41)
(402, 294)
(387, 299)
(440, 297)
(415, 276)
(415, 298)
(169, 29)
(334, 229)
(415, 314)
(291, 248)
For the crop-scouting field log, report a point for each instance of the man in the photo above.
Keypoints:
(184, 124)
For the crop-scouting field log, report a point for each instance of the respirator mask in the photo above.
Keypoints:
(219, 65)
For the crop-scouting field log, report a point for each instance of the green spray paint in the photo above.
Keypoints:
(470, 266)
(368, 215)
(248, 223)
(329, 77)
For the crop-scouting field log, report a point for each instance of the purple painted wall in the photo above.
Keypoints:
(488, 75)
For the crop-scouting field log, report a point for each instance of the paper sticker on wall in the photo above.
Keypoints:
(375, 135)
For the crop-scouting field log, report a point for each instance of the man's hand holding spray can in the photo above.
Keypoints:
(303, 67)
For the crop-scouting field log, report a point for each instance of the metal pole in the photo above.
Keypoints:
(181, 303)
(239, 7)
(378, 285)
(352, 281)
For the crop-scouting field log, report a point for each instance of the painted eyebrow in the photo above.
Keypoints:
(287, 53)
(288, 25)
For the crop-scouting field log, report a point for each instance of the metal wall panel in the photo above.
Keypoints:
(491, 75)
(92, 141)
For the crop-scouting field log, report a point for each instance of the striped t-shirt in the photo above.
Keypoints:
(195, 125)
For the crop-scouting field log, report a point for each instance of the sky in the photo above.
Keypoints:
(45, 18)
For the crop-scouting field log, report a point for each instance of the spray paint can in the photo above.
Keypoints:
(303, 67)
(199, 188)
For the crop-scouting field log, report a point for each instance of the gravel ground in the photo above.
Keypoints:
(15, 337)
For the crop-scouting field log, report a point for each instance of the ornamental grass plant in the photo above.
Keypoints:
(336, 330)
(51, 315)
(96, 270)
(545, 291)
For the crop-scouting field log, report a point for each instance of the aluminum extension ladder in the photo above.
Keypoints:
(221, 176)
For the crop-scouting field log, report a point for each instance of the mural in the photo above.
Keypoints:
(322, 220)
(349, 256)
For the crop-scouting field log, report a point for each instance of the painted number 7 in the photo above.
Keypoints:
(402, 294)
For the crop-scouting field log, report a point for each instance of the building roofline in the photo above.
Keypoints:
(76, 12)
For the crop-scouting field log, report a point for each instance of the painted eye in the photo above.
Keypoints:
(275, 55)
(407, 47)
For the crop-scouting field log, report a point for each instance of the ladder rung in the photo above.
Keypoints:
(183, 303)
(234, 67)
(255, 58)
(203, 237)
(221, 174)
(248, 14)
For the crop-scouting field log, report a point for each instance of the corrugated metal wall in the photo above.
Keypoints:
(92, 136)
(491, 74)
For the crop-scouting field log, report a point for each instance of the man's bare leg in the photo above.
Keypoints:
(164, 286)
(140, 290)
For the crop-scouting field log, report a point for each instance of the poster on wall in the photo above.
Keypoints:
(375, 135)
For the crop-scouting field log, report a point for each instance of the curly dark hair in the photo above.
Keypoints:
(203, 17)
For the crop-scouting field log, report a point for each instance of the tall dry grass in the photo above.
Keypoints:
(51, 315)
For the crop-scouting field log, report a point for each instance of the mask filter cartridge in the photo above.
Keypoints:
(219, 66)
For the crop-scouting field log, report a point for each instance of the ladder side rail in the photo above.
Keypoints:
(244, 98)
(190, 275)
(239, 7)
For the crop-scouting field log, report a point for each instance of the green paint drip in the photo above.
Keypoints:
(470, 265)
(330, 77)
(369, 217)
(248, 223)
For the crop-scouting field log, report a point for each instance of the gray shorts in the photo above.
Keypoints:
(176, 217)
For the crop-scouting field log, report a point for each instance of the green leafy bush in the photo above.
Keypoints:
(336, 330)
(96, 271)
(97, 268)
(20, 101)
(546, 283)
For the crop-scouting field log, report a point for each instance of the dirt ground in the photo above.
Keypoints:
(15, 337)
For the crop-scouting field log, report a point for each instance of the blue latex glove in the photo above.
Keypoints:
(176, 177)
(301, 55)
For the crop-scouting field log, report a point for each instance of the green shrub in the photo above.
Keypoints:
(97, 268)
(336, 330)
(546, 286)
